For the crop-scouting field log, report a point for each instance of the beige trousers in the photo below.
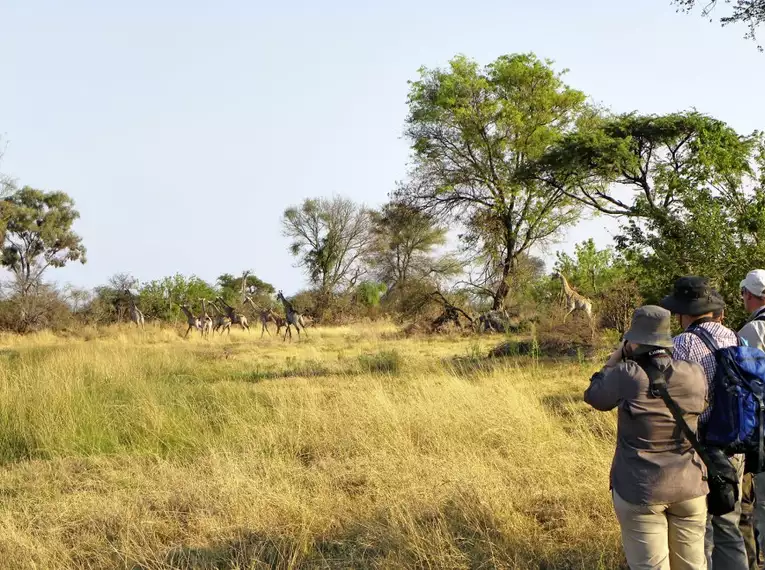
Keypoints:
(663, 537)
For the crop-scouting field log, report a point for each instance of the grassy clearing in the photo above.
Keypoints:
(354, 448)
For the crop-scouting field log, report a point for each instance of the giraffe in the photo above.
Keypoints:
(293, 318)
(279, 320)
(266, 316)
(206, 320)
(220, 321)
(574, 301)
(136, 316)
(192, 321)
(236, 319)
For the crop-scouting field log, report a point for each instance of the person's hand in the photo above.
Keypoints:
(616, 356)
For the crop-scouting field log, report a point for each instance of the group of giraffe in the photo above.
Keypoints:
(223, 315)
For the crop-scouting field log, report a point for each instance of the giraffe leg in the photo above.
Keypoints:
(187, 331)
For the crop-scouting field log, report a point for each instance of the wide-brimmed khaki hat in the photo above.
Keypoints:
(650, 327)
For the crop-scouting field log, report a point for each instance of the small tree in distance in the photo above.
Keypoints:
(37, 234)
(329, 237)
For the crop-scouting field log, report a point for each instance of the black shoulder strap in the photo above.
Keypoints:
(705, 336)
(658, 382)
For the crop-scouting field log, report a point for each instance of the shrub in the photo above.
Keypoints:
(383, 362)
(616, 305)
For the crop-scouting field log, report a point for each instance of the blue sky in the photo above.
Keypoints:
(184, 129)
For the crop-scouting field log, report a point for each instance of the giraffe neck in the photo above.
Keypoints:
(566, 286)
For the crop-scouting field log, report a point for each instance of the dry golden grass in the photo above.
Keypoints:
(355, 448)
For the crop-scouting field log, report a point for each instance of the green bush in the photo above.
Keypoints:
(383, 362)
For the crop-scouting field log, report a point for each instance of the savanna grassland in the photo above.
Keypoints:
(354, 448)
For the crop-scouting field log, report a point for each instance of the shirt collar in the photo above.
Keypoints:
(757, 313)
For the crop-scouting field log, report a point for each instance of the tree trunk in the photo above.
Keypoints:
(504, 287)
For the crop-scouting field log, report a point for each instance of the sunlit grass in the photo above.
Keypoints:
(355, 447)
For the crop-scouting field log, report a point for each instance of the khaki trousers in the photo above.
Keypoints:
(663, 537)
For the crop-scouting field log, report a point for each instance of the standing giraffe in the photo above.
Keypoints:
(192, 321)
(265, 316)
(236, 319)
(205, 320)
(574, 301)
(220, 320)
(293, 318)
(136, 316)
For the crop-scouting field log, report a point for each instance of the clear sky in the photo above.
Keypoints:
(183, 129)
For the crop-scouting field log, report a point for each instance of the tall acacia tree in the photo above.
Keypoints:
(641, 165)
(473, 130)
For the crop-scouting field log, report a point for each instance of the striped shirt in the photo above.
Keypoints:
(690, 347)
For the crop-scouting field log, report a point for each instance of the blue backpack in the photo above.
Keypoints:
(736, 422)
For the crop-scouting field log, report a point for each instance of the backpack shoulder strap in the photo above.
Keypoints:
(658, 382)
(705, 336)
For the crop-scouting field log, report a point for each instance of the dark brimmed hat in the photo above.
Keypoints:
(692, 296)
(650, 327)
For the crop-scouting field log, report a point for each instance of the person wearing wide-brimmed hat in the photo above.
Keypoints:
(695, 302)
(657, 480)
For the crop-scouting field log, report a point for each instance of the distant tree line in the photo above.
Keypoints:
(505, 158)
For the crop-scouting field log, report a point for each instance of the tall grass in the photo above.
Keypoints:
(352, 448)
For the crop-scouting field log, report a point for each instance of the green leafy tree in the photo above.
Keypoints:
(37, 234)
(686, 187)
(161, 298)
(231, 288)
(640, 165)
(591, 270)
(707, 234)
(473, 131)
(368, 293)
(329, 237)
